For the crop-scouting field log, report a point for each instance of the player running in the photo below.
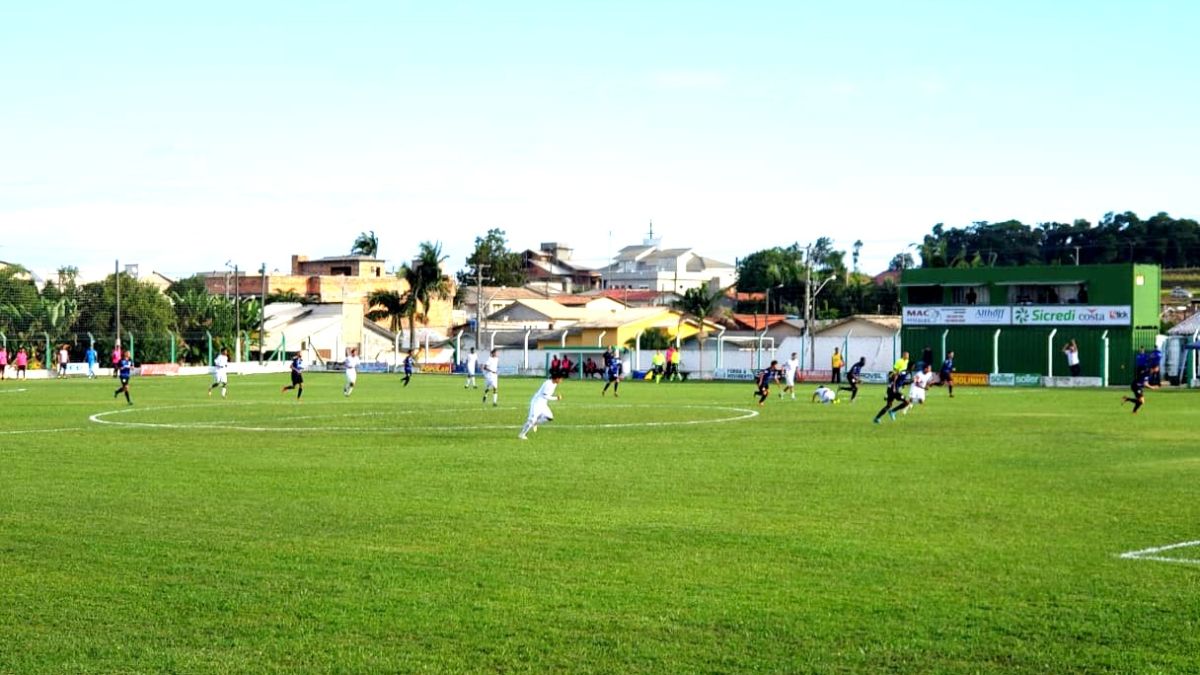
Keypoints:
(853, 377)
(762, 382)
(613, 366)
(946, 374)
(124, 370)
(220, 373)
(895, 389)
(789, 376)
(297, 371)
(1138, 387)
(539, 405)
(920, 385)
(351, 366)
(491, 377)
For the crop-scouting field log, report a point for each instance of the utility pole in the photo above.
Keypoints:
(237, 317)
(262, 316)
(478, 301)
(808, 306)
(117, 278)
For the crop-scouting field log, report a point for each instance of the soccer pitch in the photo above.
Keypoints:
(678, 528)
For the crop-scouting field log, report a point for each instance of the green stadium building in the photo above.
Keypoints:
(1011, 323)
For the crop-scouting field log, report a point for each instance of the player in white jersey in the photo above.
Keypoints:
(920, 384)
(824, 394)
(491, 377)
(789, 376)
(539, 405)
(220, 373)
(351, 365)
(472, 362)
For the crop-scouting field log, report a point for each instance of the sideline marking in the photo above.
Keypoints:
(100, 418)
(12, 391)
(1148, 553)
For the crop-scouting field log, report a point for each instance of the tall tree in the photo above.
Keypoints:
(901, 261)
(366, 243)
(499, 266)
(145, 312)
(425, 284)
(1117, 238)
(700, 303)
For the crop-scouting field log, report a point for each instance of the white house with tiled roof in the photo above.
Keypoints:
(675, 270)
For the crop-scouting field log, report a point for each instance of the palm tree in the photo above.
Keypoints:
(700, 304)
(392, 306)
(425, 284)
(366, 244)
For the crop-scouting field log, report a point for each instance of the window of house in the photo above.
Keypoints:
(339, 271)
(1046, 294)
(970, 295)
(925, 295)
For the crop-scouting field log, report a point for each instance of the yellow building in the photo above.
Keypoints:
(345, 281)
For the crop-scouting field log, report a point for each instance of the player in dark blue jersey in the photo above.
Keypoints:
(124, 370)
(408, 368)
(1141, 362)
(1138, 388)
(297, 371)
(613, 366)
(853, 377)
(762, 381)
(946, 374)
(895, 392)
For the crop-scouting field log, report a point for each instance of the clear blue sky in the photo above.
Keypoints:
(179, 136)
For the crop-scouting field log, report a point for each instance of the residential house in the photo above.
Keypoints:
(551, 266)
(648, 267)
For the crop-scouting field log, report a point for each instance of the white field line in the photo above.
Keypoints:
(100, 418)
(1148, 553)
(13, 391)
(14, 432)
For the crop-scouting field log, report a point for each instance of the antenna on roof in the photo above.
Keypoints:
(650, 239)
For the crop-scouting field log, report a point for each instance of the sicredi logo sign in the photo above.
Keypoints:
(1049, 315)
(1040, 315)
(1020, 315)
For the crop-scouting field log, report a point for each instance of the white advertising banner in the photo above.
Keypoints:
(1020, 315)
(957, 316)
(1072, 315)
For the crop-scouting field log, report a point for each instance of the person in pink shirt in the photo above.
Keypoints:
(3, 361)
(116, 359)
(22, 361)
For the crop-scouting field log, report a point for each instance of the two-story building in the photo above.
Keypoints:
(672, 270)
(551, 266)
(341, 283)
(1017, 320)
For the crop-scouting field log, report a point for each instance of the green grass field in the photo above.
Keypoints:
(672, 530)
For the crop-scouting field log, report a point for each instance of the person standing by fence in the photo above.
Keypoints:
(835, 366)
(1072, 351)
